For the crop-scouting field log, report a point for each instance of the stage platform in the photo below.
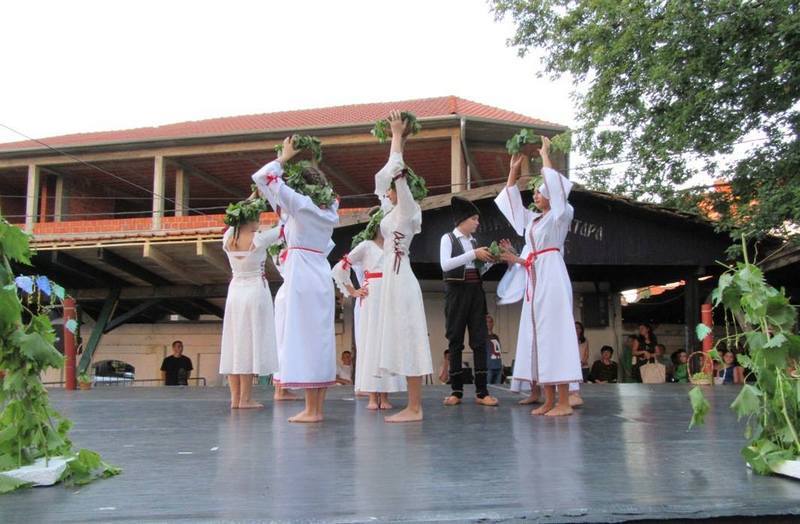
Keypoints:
(627, 455)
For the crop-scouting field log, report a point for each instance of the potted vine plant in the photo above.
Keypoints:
(35, 448)
(763, 322)
(84, 381)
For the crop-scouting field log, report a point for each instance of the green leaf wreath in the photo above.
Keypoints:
(30, 429)
(244, 211)
(515, 144)
(764, 321)
(322, 193)
(381, 130)
(369, 232)
(303, 142)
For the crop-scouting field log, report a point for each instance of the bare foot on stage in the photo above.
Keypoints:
(373, 405)
(488, 400)
(559, 411)
(250, 405)
(407, 415)
(234, 406)
(285, 395)
(541, 410)
(386, 405)
(452, 400)
(305, 418)
(532, 399)
(575, 400)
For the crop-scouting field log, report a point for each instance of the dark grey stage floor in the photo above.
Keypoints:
(626, 456)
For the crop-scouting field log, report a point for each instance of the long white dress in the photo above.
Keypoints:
(304, 327)
(547, 347)
(248, 333)
(366, 258)
(400, 331)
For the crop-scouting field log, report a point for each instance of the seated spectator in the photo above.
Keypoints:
(344, 371)
(662, 358)
(605, 370)
(729, 372)
(680, 361)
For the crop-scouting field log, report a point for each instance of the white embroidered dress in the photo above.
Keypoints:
(248, 333)
(305, 326)
(400, 331)
(367, 260)
(547, 347)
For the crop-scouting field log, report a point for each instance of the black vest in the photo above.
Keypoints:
(459, 273)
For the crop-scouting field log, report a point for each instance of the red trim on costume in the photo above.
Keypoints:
(285, 252)
(302, 385)
(398, 251)
(346, 263)
(272, 178)
(531, 270)
(367, 277)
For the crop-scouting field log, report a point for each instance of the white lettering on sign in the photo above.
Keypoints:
(586, 230)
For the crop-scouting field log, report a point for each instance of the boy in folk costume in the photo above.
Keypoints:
(463, 263)
(552, 347)
(305, 331)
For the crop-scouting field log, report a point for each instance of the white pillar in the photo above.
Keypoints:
(181, 193)
(159, 186)
(32, 197)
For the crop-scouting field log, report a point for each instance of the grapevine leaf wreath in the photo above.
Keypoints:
(303, 142)
(381, 128)
(368, 233)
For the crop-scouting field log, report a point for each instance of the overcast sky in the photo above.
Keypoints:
(96, 65)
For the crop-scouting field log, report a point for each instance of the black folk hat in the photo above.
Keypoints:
(462, 209)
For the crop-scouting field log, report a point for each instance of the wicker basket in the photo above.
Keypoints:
(705, 362)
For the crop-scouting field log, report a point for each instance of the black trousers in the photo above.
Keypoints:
(465, 309)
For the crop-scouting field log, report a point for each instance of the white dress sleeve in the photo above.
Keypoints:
(341, 271)
(270, 183)
(559, 187)
(511, 288)
(509, 201)
(265, 238)
(384, 177)
(407, 207)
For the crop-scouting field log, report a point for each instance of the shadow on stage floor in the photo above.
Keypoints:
(627, 455)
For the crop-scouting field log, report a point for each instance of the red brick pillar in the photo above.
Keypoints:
(70, 351)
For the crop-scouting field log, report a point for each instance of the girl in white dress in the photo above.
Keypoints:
(305, 327)
(248, 335)
(554, 356)
(367, 258)
(400, 331)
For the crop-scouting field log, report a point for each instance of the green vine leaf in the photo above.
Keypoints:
(8, 484)
(700, 407)
(14, 243)
(702, 331)
(747, 402)
(35, 347)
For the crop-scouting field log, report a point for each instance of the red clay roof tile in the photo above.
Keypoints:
(304, 118)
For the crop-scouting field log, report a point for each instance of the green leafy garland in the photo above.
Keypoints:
(321, 194)
(245, 211)
(369, 232)
(30, 428)
(415, 183)
(561, 142)
(302, 142)
(767, 322)
(382, 127)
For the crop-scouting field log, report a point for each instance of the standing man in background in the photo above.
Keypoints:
(176, 368)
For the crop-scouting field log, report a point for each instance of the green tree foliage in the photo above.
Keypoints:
(670, 86)
(30, 428)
